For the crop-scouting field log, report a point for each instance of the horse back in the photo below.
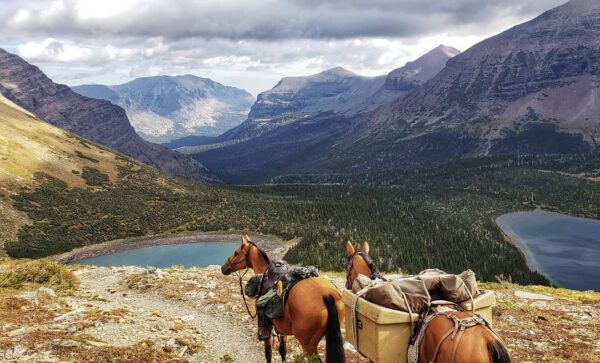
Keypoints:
(305, 303)
(472, 345)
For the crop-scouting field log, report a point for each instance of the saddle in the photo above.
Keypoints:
(269, 304)
(271, 290)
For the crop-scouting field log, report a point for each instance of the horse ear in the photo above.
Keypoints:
(248, 239)
(349, 248)
(365, 247)
(244, 241)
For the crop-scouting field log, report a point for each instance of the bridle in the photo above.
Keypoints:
(375, 274)
(240, 275)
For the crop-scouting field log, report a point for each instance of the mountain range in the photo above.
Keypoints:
(533, 89)
(301, 117)
(335, 91)
(165, 108)
(98, 120)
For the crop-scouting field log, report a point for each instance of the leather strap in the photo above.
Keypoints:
(439, 345)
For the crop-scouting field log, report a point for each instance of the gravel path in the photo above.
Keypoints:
(221, 334)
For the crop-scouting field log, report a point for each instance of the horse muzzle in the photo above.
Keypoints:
(225, 270)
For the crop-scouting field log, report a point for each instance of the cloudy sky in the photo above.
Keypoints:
(245, 43)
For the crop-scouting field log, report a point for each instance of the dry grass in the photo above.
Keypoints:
(584, 297)
(15, 273)
(19, 311)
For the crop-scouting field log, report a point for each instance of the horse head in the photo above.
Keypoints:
(359, 262)
(247, 255)
(239, 259)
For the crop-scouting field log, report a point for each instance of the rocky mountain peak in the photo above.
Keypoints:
(444, 50)
(421, 69)
(164, 108)
(338, 71)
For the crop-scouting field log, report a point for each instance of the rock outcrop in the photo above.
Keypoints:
(97, 120)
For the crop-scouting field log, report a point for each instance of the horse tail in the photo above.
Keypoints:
(334, 348)
(498, 352)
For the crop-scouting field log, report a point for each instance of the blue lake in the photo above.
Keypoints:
(189, 255)
(565, 249)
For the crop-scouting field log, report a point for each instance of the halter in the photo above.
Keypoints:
(375, 274)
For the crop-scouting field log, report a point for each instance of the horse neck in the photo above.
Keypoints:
(257, 262)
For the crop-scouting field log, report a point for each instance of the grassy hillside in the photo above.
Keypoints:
(75, 193)
(32, 150)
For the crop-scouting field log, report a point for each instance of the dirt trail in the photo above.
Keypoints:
(220, 334)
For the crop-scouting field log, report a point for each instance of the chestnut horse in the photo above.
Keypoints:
(313, 307)
(476, 344)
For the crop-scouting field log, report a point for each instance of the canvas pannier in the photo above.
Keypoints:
(407, 294)
(453, 288)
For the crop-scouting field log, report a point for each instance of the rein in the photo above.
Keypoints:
(240, 279)
(241, 276)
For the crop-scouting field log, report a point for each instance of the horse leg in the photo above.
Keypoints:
(310, 345)
(268, 350)
(282, 347)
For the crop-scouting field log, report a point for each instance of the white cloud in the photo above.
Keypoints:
(52, 50)
(250, 43)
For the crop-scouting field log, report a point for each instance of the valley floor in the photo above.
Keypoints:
(197, 315)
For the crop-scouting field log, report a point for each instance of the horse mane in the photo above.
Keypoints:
(370, 263)
(262, 253)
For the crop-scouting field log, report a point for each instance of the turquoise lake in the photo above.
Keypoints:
(189, 255)
(565, 249)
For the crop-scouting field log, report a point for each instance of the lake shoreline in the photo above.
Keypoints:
(273, 245)
(559, 246)
(522, 246)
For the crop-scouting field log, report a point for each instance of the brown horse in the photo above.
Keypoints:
(476, 344)
(313, 308)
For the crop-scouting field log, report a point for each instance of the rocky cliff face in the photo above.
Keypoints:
(336, 91)
(97, 120)
(538, 75)
(165, 108)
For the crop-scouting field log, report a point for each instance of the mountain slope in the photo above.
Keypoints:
(335, 91)
(531, 89)
(97, 120)
(30, 146)
(292, 127)
(165, 108)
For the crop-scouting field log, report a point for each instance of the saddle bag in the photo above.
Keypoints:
(304, 272)
(252, 288)
(270, 305)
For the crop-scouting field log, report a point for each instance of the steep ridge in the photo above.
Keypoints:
(165, 108)
(292, 126)
(97, 120)
(334, 91)
(531, 89)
